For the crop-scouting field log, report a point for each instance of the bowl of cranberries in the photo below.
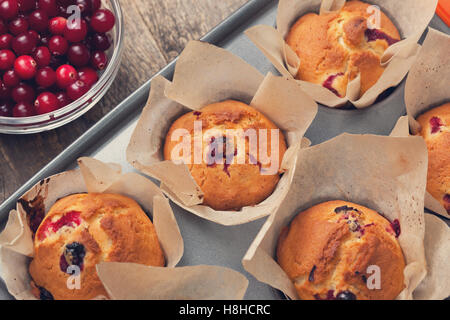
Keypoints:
(57, 60)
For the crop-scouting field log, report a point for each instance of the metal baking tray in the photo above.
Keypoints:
(206, 242)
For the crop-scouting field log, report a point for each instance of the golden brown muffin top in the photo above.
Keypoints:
(327, 250)
(82, 230)
(435, 129)
(335, 47)
(242, 179)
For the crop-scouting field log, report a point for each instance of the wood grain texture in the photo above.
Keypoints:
(155, 33)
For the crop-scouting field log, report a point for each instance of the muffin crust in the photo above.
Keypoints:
(83, 230)
(230, 185)
(327, 251)
(335, 47)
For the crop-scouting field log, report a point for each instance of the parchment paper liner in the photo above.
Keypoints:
(16, 244)
(205, 74)
(411, 17)
(383, 173)
(427, 86)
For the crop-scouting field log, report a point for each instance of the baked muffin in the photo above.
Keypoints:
(83, 230)
(435, 129)
(327, 249)
(242, 179)
(335, 47)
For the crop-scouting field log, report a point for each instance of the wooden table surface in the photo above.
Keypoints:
(156, 32)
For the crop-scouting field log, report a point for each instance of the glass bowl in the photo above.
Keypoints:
(49, 121)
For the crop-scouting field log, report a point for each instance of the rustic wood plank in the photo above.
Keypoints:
(156, 32)
(174, 23)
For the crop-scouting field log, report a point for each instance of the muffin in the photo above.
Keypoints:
(435, 129)
(231, 174)
(327, 250)
(83, 230)
(335, 47)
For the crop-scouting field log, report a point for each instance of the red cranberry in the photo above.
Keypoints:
(99, 60)
(58, 25)
(46, 77)
(49, 6)
(5, 92)
(38, 20)
(64, 264)
(87, 7)
(18, 25)
(26, 5)
(6, 108)
(25, 67)
(88, 76)
(79, 55)
(23, 93)
(76, 31)
(3, 27)
(63, 99)
(11, 79)
(69, 219)
(8, 9)
(395, 228)
(23, 109)
(7, 58)
(24, 43)
(77, 89)
(66, 75)
(5, 41)
(34, 35)
(375, 34)
(58, 45)
(328, 83)
(42, 56)
(46, 102)
(101, 41)
(436, 124)
(39, 34)
(103, 20)
(447, 202)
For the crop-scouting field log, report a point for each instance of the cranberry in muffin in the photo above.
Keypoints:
(435, 129)
(82, 230)
(331, 250)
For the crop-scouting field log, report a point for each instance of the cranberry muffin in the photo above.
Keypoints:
(327, 250)
(83, 230)
(435, 129)
(335, 47)
(231, 175)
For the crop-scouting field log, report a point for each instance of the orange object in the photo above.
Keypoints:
(443, 11)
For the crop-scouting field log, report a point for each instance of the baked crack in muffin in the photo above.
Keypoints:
(328, 250)
(435, 129)
(82, 230)
(232, 184)
(335, 47)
